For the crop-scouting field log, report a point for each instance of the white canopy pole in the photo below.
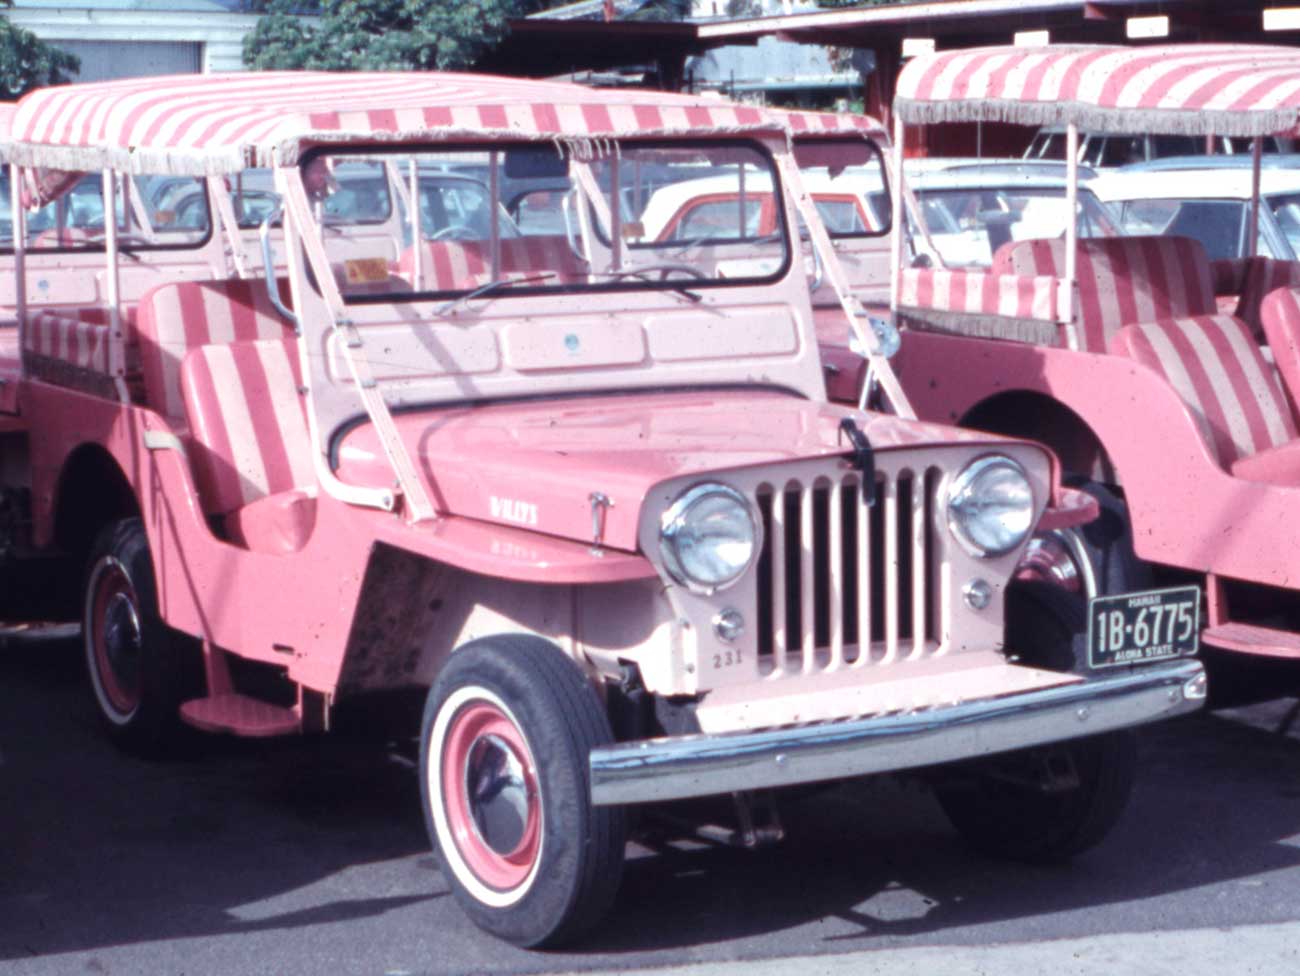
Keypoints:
(896, 217)
(417, 242)
(117, 341)
(1252, 228)
(19, 231)
(1065, 302)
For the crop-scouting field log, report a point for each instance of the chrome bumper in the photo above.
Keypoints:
(703, 765)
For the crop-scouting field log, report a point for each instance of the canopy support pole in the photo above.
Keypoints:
(417, 244)
(896, 217)
(117, 341)
(20, 251)
(1252, 228)
(1065, 298)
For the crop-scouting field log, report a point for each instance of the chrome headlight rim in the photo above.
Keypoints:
(672, 521)
(960, 489)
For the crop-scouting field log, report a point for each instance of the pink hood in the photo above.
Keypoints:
(535, 464)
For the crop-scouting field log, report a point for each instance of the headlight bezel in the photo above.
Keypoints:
(673, 520)
(960, 489)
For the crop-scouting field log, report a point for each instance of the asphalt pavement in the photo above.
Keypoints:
(309, 856)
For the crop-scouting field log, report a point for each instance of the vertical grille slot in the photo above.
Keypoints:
(841, 584)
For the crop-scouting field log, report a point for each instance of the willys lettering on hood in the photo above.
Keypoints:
(536, 464)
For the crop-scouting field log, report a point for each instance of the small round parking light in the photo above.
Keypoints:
(977, 594)
(729, 625)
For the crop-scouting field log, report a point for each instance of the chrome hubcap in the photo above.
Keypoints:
(1058, 558)
(122, 638)
(498, 794)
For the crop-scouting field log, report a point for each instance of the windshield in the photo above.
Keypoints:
(967, 226)
(1286, 210)
(529, 217)
(152, 212)
(1220, 225)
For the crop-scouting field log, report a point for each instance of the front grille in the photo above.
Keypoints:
(841, 583)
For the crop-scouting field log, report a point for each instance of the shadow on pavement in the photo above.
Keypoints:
(101, 850)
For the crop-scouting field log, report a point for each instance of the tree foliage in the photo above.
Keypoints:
(27, 62)
(378, 35)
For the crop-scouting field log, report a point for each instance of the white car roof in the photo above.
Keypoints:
(1206, 184)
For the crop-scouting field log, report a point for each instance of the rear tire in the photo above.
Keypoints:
(504, 777)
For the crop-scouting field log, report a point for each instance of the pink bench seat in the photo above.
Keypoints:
(177, 317)
(1121, 280)
(249, 443)
(1214, 364)
(461, 265)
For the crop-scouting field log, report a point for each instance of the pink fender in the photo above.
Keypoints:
(1186, 510)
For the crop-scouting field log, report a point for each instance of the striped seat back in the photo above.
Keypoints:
(1121, 280)
(1216, 367)
(461, 265)
(179, 316)
(1264, 276)
(1279, 315)
(249, 438)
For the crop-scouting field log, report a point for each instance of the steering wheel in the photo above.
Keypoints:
(460, 232)
(665, 270)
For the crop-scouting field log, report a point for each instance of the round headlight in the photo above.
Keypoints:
(991, 506)
(709, 536)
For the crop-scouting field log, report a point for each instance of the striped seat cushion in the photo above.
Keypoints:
(1121, 280)
(461, 265)
(1215, 366)
(1279, 315)
(176, 317)
(248, 434)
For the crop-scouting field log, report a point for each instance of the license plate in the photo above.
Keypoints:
(1134, 628)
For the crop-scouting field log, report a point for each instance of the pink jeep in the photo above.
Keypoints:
(1115, 352)
(582, 485)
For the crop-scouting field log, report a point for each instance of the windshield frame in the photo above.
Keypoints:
(624, 284)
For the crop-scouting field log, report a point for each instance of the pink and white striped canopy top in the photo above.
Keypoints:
(1224, 89)
(205, 124)
(831, 123)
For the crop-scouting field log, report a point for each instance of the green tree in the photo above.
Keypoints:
(27, 62)
(377, 35)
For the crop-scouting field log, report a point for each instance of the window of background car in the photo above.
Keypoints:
(846, 179)
(152, 212)
(1217, 224)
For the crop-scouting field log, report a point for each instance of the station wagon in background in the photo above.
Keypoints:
(1181, 419)
(1108, 150)
(584, 488)
(1208, 199)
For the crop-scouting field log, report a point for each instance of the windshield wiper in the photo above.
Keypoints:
(488, 287)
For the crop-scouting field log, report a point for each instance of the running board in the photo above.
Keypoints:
(241, 715)
(1253, 639)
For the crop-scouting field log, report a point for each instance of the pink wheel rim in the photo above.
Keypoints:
(489, 788)
(115, 639)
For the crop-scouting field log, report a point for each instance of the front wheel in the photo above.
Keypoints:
(1093, 559)
(1044, 805)
(507, 730)
(140, 669)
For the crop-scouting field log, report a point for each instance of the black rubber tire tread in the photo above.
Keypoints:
(1108, 540)
(577, 724)
(1046, 626)
(171, 662)
(1008, 821)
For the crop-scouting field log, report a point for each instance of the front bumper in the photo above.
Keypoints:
(702, 765)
